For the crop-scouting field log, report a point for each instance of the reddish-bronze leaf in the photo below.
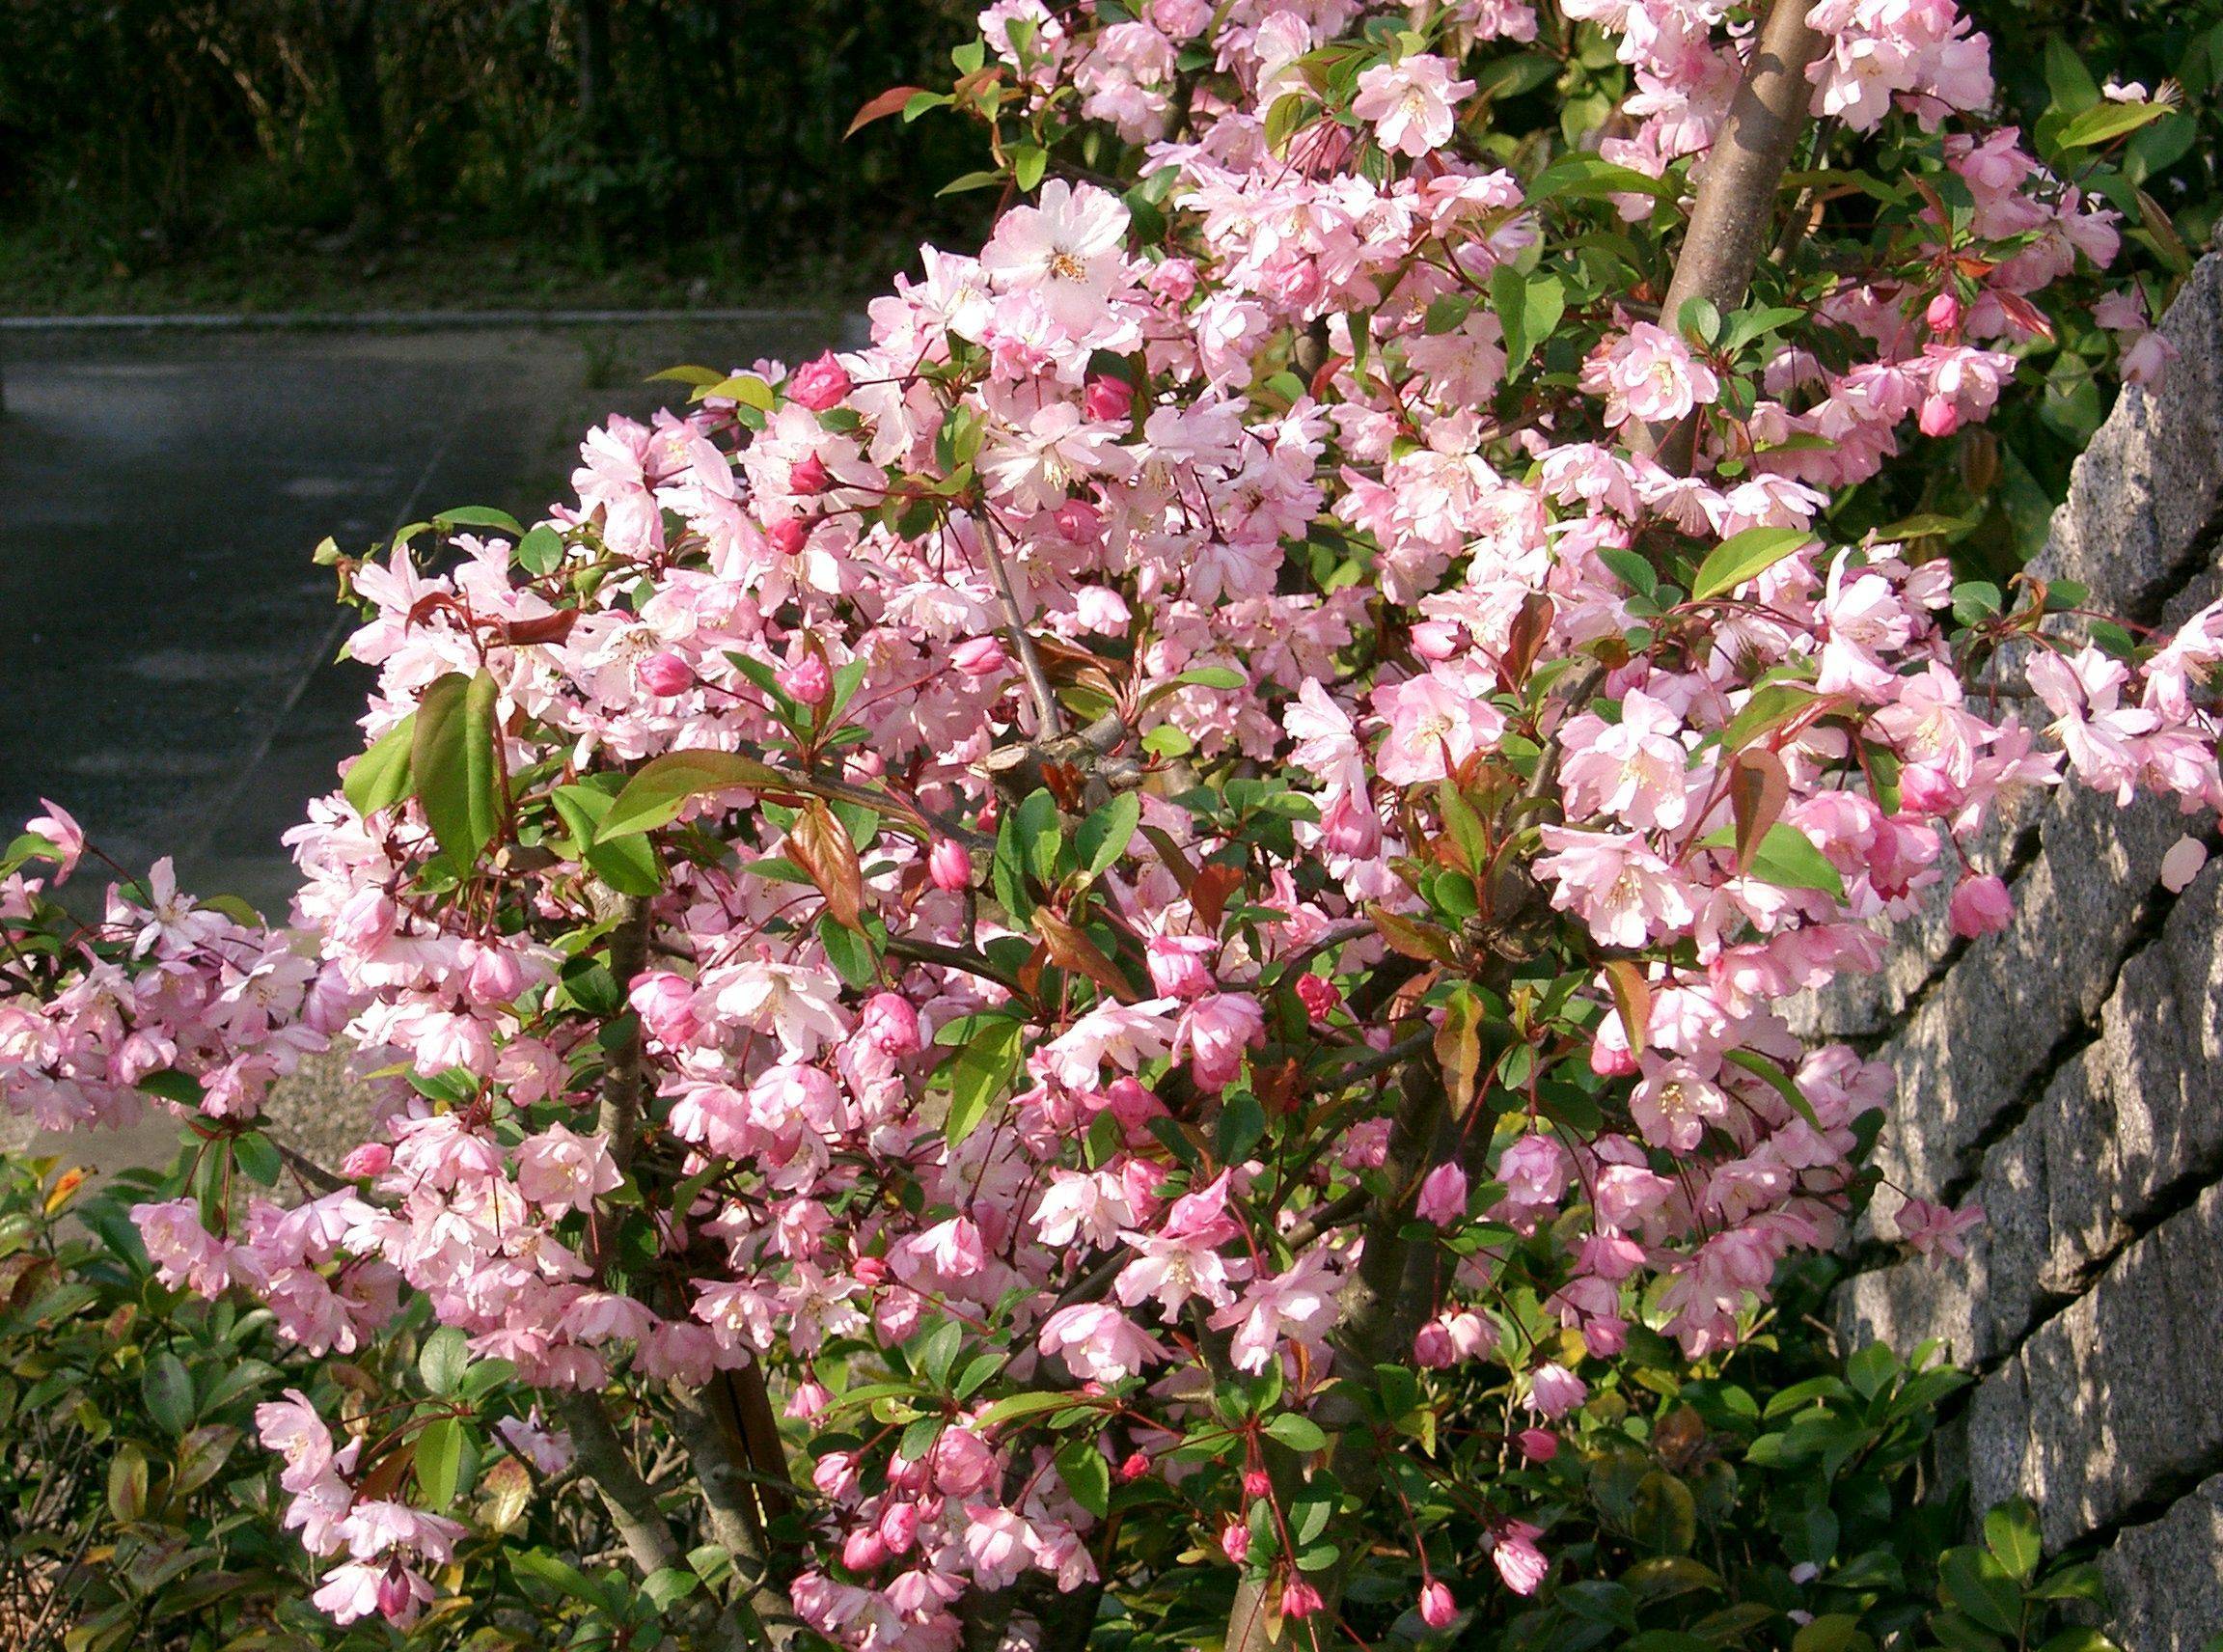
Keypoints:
(1070, 949)
(547, 628)
(1459, 1051)
(1209, 890)
(1632, 999)
(1424, 942)
(1171, 856)
(1525, 639)
(1758, 789)
(889, 102)
(819, 843)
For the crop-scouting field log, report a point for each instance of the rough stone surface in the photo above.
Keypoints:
(2112, 1403)
(2165, 1576)
(2067, 1074)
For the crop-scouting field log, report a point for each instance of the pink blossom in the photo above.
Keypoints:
(1933, 1230)
(1442, 1197)
(1436, 1606)
(949, 864)
(560, 1169)
(1980, 906)
(1519, 1561)
(1412, 102)
(819, 383)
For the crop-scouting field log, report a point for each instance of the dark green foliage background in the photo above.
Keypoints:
(143, 137)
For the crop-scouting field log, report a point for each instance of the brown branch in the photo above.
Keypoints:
(1736, 204)
(603, 1463)
(1050, 722)
(715, 1429)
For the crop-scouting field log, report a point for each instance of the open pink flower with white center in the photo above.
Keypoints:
(1674, 1102)
(1615, 883)
(2101, 735)
(1097, 1343)
(1078, 1206)
(1432, 721)
(1929, 724)
(1519, 1561)
(1125, 1034)
(1649, 375)
(561, 1170)
(1934, 1230)
(1182, 1260)
(293, 1428)
(1067, 250)
(171, 920)
(1635, 769)
(1035, 462)
(799, 1005)
(1299, 1303)
(1412, 102)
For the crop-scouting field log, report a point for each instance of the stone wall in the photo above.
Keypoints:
(2067, 1074)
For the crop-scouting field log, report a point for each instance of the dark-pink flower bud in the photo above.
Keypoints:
(665, 675)
(807, 679)
(890, 1023)
(819, 383)
(950, 865)
(1108, 400)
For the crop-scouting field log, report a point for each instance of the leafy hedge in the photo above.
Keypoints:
(1699, 1514)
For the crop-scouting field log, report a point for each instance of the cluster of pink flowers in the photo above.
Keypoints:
(1275, 493)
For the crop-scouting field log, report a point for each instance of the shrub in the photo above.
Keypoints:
(1096, 970)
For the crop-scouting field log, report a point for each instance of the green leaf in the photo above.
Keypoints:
(1298, 1433)
(1971, 1582)
(627, 864)
(663, 785)
(1214, 677)
(1631, 569)
(1029, 161)
(454, 760)
(380, 777)
(1102, 837)
(2106, 122)
(980, 1074)
(665, 1589)
(2011, 1534)
(1086, 1476)
(1583, 177)
(440, 1463)
(1012, 1407)
(1760, 1067)
(1447, 313)
(540, 552)
(1039, 836)
(1529, 309)
(478, 516)
(253, 1154)
(2067, 78)
(442, 1361)
(1786, 858)
(969, 180)
(1743, 556)
(558, 1575)
(167, 1386)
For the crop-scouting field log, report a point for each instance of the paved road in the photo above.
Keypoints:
(166, 645)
